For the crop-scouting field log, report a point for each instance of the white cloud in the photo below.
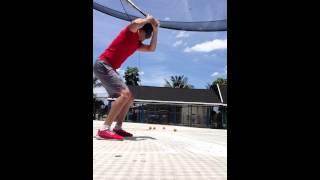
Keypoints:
(215, 74)
(221, 73)
(141, 73)
(177, 43)
(208, 46)
(182, 34)
(155, 76)
(166, 18)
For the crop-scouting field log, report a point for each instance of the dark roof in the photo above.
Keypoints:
(223, 90)
(174, 94)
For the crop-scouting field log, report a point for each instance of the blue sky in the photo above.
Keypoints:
(200, 56)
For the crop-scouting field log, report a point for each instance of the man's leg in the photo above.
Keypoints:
(120, 118)
(117, 106)
(105, 132)
(122, 114)
(114, 85)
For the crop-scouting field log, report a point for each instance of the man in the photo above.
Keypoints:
(125, 44)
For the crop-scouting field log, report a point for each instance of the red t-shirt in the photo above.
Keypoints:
(124, 45)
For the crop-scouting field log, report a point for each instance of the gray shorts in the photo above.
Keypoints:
(109, 78)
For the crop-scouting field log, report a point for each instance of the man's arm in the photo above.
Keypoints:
(138, 23)
(153, 43)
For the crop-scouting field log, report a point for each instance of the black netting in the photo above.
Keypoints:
(217, 25)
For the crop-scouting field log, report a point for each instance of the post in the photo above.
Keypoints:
(174, 115)
(208, 117)
(142, 114)
(109, 106)
(190, 116)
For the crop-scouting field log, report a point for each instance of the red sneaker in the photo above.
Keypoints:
(105, 134)
(122, 133)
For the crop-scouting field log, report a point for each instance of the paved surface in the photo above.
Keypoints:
(185, 154)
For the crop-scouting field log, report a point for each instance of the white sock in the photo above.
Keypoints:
(105, 127)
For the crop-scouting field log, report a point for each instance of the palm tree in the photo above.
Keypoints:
(213, 85)
(222, 115)
(132, 76)
(219, 81)
(178, 82)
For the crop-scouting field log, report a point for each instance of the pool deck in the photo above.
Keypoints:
(185, 154)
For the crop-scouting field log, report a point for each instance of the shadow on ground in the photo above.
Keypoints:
(139, 138)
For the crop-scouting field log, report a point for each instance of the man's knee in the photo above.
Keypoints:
(127, 95)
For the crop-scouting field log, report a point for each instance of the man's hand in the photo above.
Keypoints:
(155, 24)
(149, 18)
(152, 20)
(140, 22)
(153, 43)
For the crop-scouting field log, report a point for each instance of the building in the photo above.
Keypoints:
(186, 107)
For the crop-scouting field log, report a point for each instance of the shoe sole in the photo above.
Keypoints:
(101, 138)
(123, 136)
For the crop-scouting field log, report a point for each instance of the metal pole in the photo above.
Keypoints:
(142, 113)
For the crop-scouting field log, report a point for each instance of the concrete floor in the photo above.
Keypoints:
(189, 153)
